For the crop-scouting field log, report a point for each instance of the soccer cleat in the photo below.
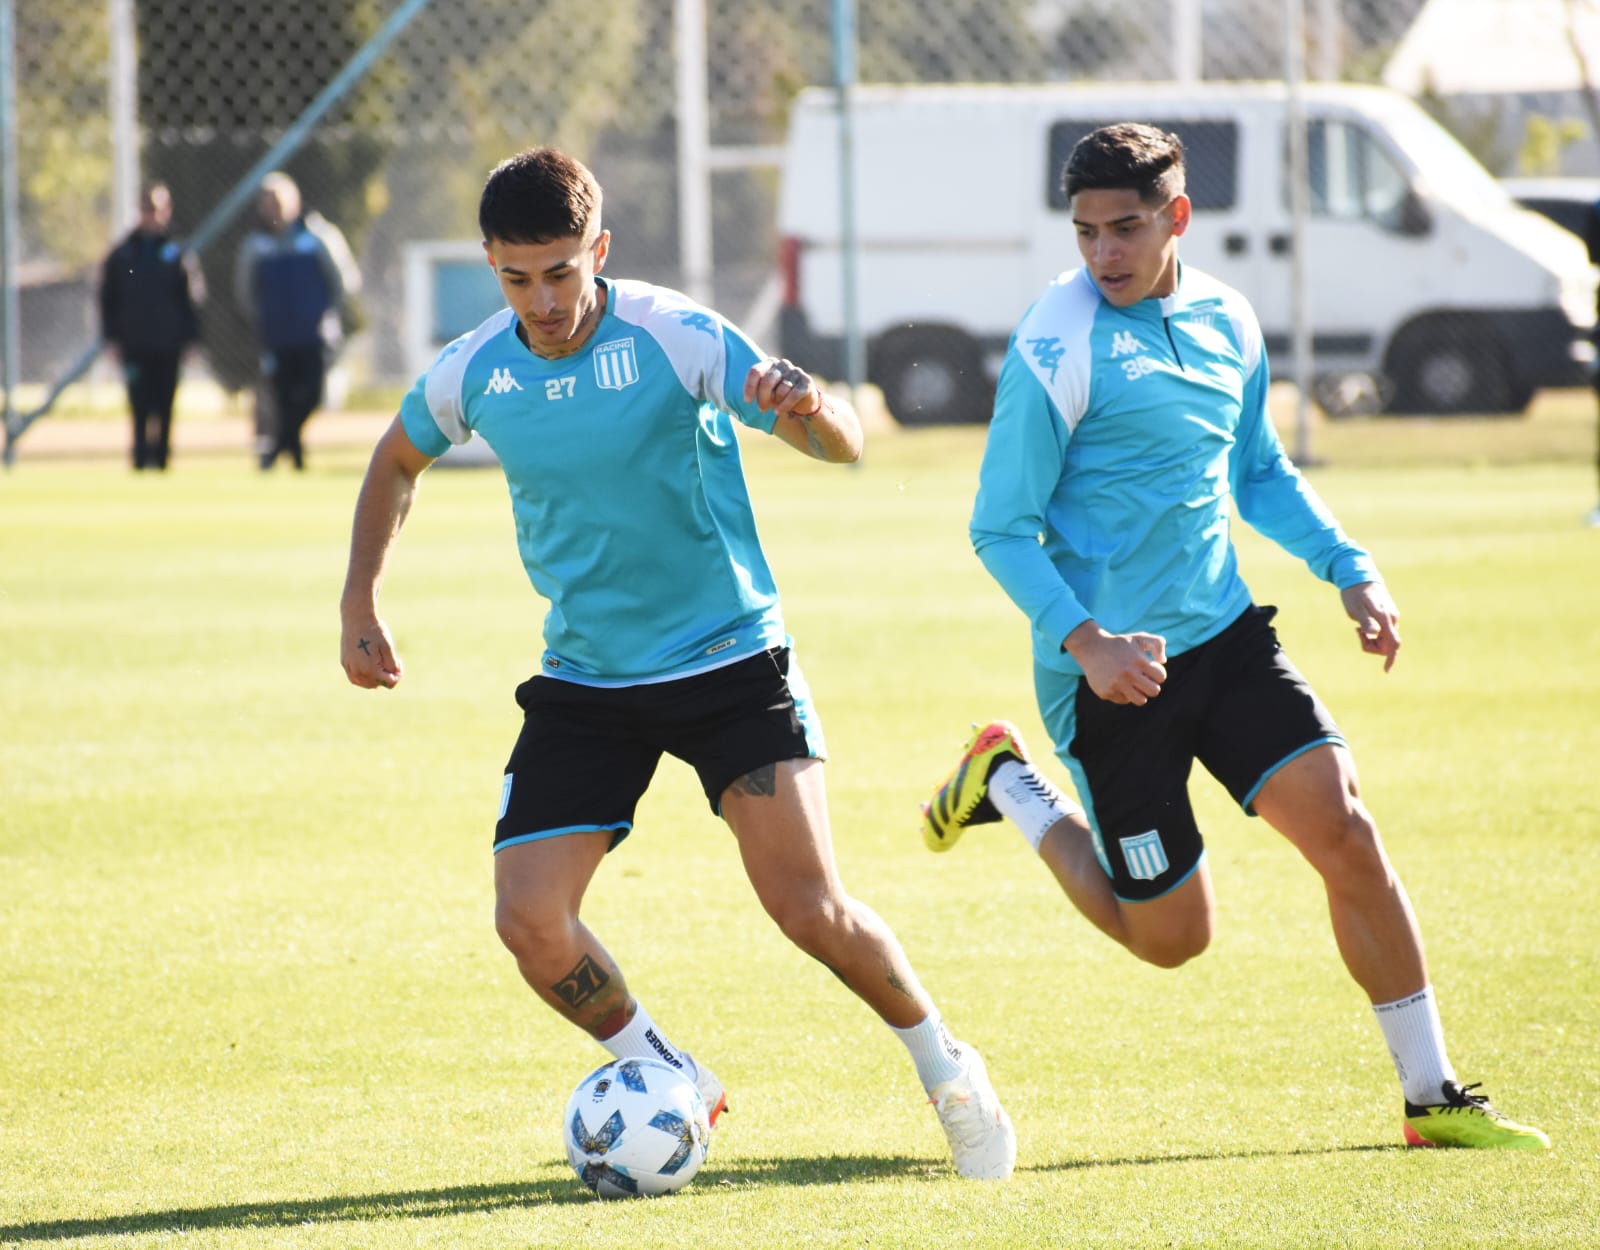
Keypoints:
(1467, 1119)
(963, 799)
(711, 1091)
(982, 1141)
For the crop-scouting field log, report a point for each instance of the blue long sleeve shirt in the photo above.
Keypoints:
(1123, 441)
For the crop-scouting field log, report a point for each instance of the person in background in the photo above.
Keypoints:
(292, 279)
(150, 291)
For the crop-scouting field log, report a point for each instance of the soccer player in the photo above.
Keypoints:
(611, 407)
(1130, 415)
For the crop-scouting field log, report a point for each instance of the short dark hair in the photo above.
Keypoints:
(539, 195)
(1129, 156)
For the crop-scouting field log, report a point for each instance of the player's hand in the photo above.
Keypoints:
(783, 387)
(367, 652)
(1120, 668)
(1377, 620)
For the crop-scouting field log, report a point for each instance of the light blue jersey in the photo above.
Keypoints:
(627, 487)
(1121, 436)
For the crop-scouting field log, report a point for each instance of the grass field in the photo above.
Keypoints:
(250, 993)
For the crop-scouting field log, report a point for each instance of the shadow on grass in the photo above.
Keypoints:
(1210, 1156)
(466, 1199)
(455, 1199)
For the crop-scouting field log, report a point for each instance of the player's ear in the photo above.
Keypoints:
(488, 251)
(1180, 212)
(602, 249)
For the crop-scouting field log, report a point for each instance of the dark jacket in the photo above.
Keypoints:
(289, 285)
(148, 292)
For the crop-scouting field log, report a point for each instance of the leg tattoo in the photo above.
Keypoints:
(758, 782)
(581, 984)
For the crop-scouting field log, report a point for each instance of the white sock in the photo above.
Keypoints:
(640, 1039)
(938, 1056)
(1025, 796)
(1415, 1039)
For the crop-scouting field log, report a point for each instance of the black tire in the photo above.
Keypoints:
(932, 377)
(1451, 368)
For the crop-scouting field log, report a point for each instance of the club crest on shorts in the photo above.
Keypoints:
(1145, 856)
(615, 365)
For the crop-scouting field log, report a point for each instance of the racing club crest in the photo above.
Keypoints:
(615, 365)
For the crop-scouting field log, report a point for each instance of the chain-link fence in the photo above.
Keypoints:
(397, 161)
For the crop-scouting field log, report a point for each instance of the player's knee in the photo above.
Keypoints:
(813, 922)
(526, 929)
(1348, 848)
(1171, 950)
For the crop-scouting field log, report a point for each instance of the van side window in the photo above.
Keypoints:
(1211, 153)
(1352, 177)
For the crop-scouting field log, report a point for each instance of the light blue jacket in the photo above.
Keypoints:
(1122, 442)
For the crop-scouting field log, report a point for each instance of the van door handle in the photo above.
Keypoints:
(1235, 244)
(1280, 245)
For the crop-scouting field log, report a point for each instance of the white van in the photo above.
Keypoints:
(1424, 274)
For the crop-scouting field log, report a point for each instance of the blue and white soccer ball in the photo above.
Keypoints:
(636, 1128)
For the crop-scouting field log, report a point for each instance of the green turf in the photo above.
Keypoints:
(250, 993)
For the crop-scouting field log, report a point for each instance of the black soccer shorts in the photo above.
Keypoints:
(1235, 703)
(587, 753)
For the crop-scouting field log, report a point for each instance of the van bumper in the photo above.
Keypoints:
(1547, 348)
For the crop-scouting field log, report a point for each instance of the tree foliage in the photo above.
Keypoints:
(63, 129)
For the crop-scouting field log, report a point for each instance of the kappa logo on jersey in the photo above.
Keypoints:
(699, 321)
(1048, 352)
(1125, 343)
(501, 381)
(615, 365)
(1145, 856)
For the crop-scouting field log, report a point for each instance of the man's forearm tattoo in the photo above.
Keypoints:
(366, 647)
(582, 983)
(759, 782)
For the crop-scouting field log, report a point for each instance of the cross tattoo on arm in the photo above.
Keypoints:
(366, 649)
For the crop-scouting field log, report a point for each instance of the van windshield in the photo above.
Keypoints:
(1444, 167)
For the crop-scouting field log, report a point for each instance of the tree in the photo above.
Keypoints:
(63, 129)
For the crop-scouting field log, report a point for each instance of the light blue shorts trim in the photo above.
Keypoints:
(1250, 798)
(619, 831)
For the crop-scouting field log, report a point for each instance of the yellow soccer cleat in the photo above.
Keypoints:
(1467, 1119)
(963, 799)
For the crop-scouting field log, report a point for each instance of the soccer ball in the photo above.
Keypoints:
(636, 1128)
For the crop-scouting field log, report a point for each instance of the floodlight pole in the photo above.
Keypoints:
(694, 150)
(10, 251)
(1188, 66)
(844, 77)
(1294, 55)
(124, 80)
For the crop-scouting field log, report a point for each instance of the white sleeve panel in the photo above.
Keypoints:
(444, 379)
(689, 334)
(1053, 341)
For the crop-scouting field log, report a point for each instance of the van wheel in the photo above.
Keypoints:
(932, 377)
(1452, 369)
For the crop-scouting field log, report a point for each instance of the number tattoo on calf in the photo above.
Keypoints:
(582, 983)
